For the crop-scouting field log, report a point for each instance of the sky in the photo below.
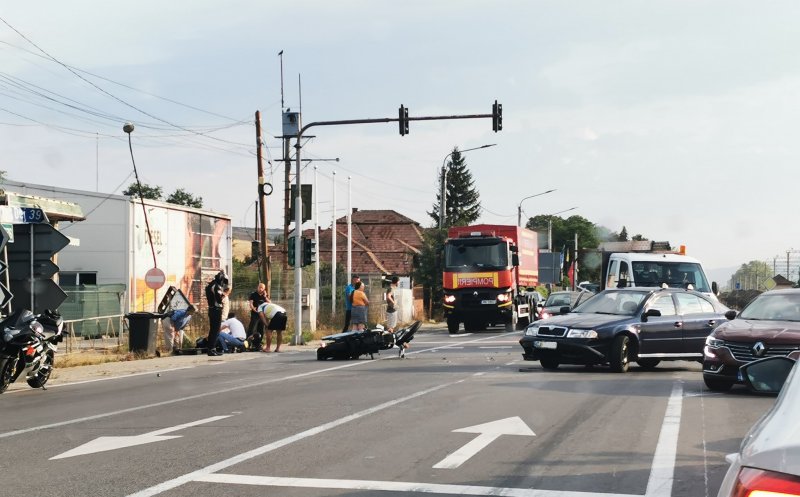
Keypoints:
(675, 119)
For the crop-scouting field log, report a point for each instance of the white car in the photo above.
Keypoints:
(768, 461)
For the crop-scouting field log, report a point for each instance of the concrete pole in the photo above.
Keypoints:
(550, 234)
(349, 229)
(316, 241)
(333, 251)
(298, 252)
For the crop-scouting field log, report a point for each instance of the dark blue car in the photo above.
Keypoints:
(618, 326)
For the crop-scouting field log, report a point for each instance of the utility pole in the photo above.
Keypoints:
(287, 163)
(333, 249)
(263, 265)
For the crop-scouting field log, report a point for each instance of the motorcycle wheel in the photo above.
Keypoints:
(6, 368)
(43, 375)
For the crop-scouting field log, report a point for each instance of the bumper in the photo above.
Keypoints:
(485, 312)
(567, 351)
(720, 363)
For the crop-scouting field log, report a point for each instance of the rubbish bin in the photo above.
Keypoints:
(142, 331)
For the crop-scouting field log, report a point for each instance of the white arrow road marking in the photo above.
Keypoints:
(487, 433)
(103, 444)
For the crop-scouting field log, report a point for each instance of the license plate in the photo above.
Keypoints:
(545, 345)
(488, 301)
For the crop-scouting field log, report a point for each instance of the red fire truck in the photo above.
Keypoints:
(487, 268)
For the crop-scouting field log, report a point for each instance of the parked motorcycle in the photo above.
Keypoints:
(28, 345)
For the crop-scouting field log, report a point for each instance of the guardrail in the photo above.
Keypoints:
(107, 334)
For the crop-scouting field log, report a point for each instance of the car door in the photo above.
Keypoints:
(661, 336)
(699, 320)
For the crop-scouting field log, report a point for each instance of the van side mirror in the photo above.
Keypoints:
(767, 375)
(714, 288)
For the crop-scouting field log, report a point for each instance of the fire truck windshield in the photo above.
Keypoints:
(476, 253)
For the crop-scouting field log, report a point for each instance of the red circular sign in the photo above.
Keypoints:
(155, 278)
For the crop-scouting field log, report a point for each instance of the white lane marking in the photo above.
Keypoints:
(662, 472)
(497, 347)
(56, 385)
(396, 486)
(487, 433)
(195, 475)
(103, 444)
(205, 394)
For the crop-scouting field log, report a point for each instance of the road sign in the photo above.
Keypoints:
(5, 296)
(4, 237)
(31, 266)
(154, 278)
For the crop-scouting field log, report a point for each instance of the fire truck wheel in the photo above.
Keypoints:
(452, 326)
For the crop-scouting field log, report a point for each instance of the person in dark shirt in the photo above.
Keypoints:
(215, 292)
(255, 329)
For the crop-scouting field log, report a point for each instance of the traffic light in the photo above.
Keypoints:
(290, 251)
(497, 116)
(309, 251)
(403, 120)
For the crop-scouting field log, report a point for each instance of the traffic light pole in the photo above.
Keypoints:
(403, 119)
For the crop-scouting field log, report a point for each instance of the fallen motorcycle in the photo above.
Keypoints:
(28, 345)
(354, 344)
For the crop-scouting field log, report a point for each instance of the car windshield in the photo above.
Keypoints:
(558, 299)
(613, 302)
(674, 274)
(474, 253)
(776, 307)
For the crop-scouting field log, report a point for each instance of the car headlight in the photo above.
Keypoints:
(532, 330)
(575, 333)
(714, 343)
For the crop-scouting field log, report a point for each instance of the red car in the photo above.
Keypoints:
(768, 326)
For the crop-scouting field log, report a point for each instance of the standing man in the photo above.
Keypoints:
(274, 318)
(215, 292)
(348, 302)
(255, 329)
(391, 305)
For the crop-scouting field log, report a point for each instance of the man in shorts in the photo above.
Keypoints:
(274, 318)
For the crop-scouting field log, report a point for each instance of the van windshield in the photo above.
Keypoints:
(674, 274)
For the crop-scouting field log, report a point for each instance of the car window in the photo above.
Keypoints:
(562, 299)
(705, 305)
(689, 304)
(622, 303)
(665, 304)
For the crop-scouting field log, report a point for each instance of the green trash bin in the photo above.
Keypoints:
(143, 331)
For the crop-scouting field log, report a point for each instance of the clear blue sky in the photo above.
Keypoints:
(676, 119)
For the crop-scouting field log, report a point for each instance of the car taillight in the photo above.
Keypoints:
(753, 482)
(503, 297)
(449, 299)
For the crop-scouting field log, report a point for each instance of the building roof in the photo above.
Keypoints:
(384, 241)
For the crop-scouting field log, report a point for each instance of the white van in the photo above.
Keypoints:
(626, 269)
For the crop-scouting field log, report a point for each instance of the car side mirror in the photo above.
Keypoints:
(564, 310)
(767, 375)
(730, 315)
(650, 313)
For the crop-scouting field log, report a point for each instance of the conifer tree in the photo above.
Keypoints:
(463, 201)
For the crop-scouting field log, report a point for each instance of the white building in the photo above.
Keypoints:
(190, 245)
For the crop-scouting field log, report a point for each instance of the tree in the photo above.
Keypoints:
(563, 233)
(752, 275)
(623, 235)
(182, 197)
(429, 266)
(148, 192)
(463, 201)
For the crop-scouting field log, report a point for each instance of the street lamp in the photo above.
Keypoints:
(519, 207)
(443, 200)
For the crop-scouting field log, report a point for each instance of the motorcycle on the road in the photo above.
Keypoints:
(28, 345)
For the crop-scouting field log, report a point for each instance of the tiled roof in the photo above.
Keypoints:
(384, 241)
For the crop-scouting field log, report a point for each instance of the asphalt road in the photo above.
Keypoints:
(460, 415)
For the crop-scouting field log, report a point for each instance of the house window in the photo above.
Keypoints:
(77, 278)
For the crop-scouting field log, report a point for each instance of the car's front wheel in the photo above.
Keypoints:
(619, 354)
(718, 384)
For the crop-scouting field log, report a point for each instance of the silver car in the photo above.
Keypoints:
(768, 462)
